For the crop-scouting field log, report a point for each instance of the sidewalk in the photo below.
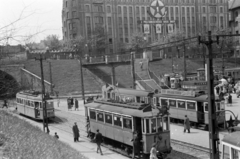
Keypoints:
(85, 147)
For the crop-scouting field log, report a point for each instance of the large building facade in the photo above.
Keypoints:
(120, 18)
(234, 23)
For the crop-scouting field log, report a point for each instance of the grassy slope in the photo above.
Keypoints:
(66, 76)
(23, 140)
(66, 73)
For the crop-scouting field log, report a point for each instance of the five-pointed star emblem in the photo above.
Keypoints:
(156, 8)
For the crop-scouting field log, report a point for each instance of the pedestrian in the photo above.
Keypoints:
(72, 103)
(58, 102)
(98, 139)
(76, 134)
(226, 100)
(76, 104)
(56, 135)
(186, 124)
(153, 152)
(5, 104)
(230, 99)
(136, 145)
(141, 65)
(69, 103)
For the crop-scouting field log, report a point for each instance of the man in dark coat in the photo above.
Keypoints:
(69, 103)
(56, 135)
(136, 145)
(5, 104)
(76, 134)
(76, 104)
(186, 124)
(98, 139)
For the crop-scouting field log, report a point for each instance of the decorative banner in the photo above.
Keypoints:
(170, 28)
(146, 29)
(158, 28)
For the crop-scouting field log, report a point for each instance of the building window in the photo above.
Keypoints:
(88, 20)
(176, 11)
(66, 3)
(109, 21)
(203, 9)
(73, 3)
(119, 10)
(213, 10)
(125, 10)
(68, 15)
(109, 9)
(74, 14)
(221, 9)
(203, 1)
(87, 8)
(137, 10)
(125, 20)
(183, 11)
(130, 10)
(143, 10)
(192, 10)
(119, 20)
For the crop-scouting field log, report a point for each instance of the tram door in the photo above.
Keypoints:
(36, 108)
(200, 111)
(138, 125)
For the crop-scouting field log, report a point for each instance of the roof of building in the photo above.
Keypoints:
(234, 4)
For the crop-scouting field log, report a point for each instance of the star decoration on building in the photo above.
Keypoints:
(157, 9)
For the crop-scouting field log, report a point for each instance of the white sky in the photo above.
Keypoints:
(39, 16)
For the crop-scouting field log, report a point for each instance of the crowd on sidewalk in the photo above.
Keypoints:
(71, 103)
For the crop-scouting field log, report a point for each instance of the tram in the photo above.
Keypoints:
(180, 103)
(231, 146)
(118, 121)
(30, 103)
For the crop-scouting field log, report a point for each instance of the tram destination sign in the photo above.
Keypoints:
(156, 21)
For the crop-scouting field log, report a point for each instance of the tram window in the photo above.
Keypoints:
(127, 123)
(159, 125)
(191, 105)
(40, 104)
(117, 120)
(143, 126)
(164, 102)
(235, 153)
(113, 95)
(36, 104)
(218, 106)
(147, 126)
(138, 99)
(100, 116)
(108, 118)
(206, 107)
(146, 100)
(154, 125)
(172, 103)
(92, 114)
(181, 104)
(28, 103)
(32, 104)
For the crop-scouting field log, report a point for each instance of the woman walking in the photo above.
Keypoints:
(153, 152)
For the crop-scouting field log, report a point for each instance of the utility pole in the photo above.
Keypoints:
(50, 73)
(133, 69)
(81, 74)
(172, 64)
(213, 132)
(184, 61)
(45, 123)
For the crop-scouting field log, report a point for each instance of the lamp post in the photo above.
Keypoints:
(172, 63)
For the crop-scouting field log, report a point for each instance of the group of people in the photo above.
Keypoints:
(71, 103)
(98, 137)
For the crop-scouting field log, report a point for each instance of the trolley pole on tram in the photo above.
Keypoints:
(213, 132)
(45, 123)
